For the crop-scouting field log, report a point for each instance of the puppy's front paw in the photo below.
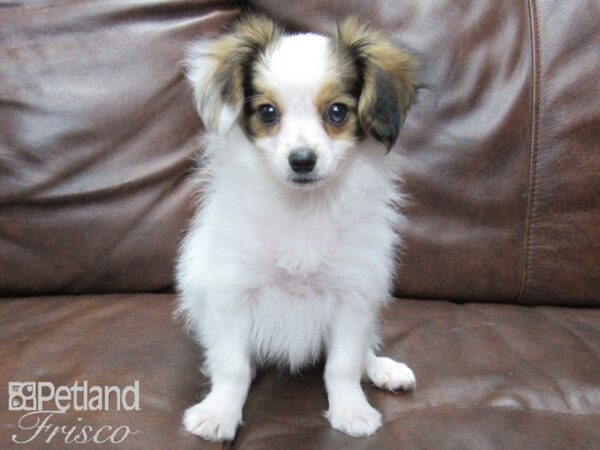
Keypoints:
(385, 373)
(212, 420)
(357, 420)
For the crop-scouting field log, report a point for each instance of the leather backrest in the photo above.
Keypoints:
(97, 133)
(502, 160)
(502, 147)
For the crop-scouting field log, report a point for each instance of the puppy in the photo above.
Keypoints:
(291, 256)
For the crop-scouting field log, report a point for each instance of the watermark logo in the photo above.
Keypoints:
(42, 400)
(22, 396)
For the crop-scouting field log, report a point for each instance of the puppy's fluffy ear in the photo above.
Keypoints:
(220, 69)
(387, 79)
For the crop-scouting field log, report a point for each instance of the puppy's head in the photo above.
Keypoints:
(304, 100)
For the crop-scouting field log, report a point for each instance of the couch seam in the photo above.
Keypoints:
(526, 254)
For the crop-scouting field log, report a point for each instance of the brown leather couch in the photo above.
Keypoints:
(498, 296)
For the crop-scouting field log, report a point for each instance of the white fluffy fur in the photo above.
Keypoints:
(273, 273)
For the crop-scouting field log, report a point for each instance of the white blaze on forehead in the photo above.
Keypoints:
(297, 62)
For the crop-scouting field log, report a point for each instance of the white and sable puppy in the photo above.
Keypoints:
(291, 255)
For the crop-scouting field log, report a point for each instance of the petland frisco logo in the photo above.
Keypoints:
(42, 400)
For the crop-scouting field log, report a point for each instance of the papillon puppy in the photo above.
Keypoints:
(291, 255)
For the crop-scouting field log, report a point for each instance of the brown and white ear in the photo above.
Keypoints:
(388, 77)
(219, 69)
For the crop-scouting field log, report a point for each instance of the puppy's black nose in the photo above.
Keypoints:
(302, 160)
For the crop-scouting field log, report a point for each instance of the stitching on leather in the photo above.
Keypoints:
(526, 257)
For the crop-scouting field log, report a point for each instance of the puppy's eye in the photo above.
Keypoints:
(337, 113)
(267, 113)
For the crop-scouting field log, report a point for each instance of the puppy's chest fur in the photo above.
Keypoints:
(309, 252)
(302, 267)
(299, 250)
(300, 285)
(291, 262)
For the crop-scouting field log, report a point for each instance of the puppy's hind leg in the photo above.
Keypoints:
(385, 373)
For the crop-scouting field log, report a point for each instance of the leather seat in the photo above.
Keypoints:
(483, 379)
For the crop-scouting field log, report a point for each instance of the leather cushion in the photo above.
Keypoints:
(488, 376)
